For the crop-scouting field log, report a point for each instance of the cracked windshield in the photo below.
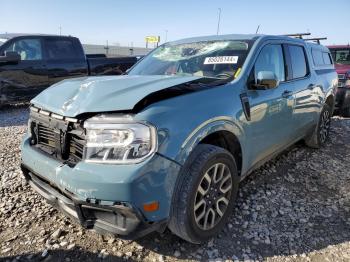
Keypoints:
(214, 59)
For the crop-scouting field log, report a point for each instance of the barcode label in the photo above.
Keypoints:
(221, 60)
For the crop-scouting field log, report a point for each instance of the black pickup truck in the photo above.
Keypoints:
(31, 63)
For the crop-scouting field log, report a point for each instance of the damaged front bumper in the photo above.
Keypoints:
(118, 218)
(108, 198)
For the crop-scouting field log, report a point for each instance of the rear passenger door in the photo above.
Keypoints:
(300, 82)
(65, 59)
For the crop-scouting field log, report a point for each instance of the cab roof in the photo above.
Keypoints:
(9, 36)
(232, 37)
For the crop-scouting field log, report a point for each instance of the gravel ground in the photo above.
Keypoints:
(294, 208)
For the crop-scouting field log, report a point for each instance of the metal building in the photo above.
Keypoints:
(113, 50)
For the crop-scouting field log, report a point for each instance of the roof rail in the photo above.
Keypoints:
(316, 39)
(298, 35)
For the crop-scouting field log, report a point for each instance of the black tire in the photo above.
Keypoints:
(321, 132)
(200, 163)
(346, 112)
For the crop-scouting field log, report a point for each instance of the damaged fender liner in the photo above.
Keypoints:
(120, 219)
(178, 90)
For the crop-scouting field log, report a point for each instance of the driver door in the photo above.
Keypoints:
(271, 110)
(23, 80)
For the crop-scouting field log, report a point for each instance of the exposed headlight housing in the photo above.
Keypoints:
(118, 140)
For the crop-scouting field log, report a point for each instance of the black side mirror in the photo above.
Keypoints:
(266, 80)
(10, 56)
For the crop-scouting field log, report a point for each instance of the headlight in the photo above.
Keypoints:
(113, 139)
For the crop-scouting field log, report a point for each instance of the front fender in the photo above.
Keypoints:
(221, 123)
(183, 121)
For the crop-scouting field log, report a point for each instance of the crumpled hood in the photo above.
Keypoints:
(100, 94)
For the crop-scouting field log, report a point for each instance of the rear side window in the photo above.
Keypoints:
(298, 61)
(317, 57)
(327, 58)
(61, 49)
(321, 58)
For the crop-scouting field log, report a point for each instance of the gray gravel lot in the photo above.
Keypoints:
(294, 208)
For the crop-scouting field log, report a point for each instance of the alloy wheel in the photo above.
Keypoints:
(213, 196)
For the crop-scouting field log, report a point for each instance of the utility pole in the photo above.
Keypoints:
(107, 48)
(166, 36)
(60, 30)
(218, 28)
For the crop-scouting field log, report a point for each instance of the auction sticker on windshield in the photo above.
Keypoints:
(221, 60)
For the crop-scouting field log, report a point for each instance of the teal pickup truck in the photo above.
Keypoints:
(167, 145)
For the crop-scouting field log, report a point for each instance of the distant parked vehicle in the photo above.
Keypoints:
(341, 57)
(168, 144)
(31, 63)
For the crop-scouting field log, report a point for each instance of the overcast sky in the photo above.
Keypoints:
(128, 22)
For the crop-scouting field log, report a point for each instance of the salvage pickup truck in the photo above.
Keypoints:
(31, 63)
(168, 144)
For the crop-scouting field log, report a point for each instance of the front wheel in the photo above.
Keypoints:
(205, 194)
(321, 132)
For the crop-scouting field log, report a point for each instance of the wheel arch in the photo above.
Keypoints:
(228, 141)
(222, 132)
(330, 100)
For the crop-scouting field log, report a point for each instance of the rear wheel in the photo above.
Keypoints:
(205, 194)
(321, 132)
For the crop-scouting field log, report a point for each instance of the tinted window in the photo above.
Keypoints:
(297, 56)
(317, 57)
(341, 56)
(271, 59)
(28, 49)
(327, 59)
(61, 49)
(321, 58)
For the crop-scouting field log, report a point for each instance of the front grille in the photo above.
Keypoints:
(46, 136)
(76, 147)
(57, 136)
(53, 141)
(50, 138)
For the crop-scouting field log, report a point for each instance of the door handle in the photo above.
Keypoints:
(287, 94)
